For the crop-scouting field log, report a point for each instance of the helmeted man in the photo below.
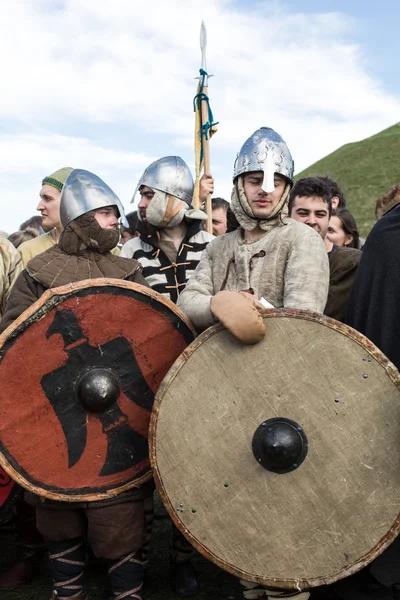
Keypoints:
(49, 207)
(171, 239)
(89, 213)
(269, 255)
(169, 247)
(267, 259)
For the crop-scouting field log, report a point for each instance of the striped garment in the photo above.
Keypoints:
(166, 277)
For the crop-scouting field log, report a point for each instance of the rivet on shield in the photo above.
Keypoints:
(280, 445)
(365, 376)
(98, 389)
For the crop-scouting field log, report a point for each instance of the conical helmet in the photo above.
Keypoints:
(84, 191)
(170, 175)
(265, 150)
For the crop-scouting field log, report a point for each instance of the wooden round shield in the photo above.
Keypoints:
(78, 374)
(280, 462)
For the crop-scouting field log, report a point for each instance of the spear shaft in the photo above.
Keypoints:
(204, 119)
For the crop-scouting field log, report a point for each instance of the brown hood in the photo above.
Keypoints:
(84, 233)
(83, 252)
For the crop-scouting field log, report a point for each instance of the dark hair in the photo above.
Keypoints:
(231, 221)
(34, 222)
(310, 186)
(334, 189)
(349, 226)
(387, 201)
(132, 219)
(23, 235)
(219, 203)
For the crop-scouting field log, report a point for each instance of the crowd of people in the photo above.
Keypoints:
(291, 244)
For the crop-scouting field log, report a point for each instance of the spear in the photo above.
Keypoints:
(205, 127)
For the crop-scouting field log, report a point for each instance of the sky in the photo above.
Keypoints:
(109, 86)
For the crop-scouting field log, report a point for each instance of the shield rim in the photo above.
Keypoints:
(284, 584)
(34, 313)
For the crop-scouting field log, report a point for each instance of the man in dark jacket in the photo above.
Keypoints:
(374, 307)
(89, 212)
(310, 203)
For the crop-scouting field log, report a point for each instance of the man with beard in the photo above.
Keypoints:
(267, 259)
(49, 207)
(89, 212)
(170, 243)
(310, 202)
(171, 238)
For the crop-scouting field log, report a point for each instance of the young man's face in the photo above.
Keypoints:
(146, 196)
(261, 203)
(49, 207)
(219, 221)
(107, 217)
(313, 211)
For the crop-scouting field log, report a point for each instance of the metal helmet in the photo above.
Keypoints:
(170, 175)
(84, 191)
(264, 145)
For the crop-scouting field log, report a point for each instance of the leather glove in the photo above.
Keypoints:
(241, 314)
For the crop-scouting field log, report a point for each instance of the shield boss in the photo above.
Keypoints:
(280, 462)
(78, 374)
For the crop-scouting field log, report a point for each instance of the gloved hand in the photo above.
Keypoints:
(241, 313)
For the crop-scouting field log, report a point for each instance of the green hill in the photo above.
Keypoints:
(364, 170)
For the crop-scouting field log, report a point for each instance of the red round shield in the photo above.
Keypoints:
(78, 374)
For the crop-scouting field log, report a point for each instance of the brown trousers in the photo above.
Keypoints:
(112, 531)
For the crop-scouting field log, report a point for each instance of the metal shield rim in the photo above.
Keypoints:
(34, 313)
(292, 584)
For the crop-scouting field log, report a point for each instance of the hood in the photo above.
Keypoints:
(84, 233)
(244, 214)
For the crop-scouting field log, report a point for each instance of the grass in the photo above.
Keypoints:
(364, 170)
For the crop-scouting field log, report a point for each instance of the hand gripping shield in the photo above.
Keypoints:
(78, 374)
(280, 462)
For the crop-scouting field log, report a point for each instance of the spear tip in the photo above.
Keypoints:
(203, 36)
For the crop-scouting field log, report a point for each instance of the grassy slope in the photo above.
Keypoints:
(364, 170)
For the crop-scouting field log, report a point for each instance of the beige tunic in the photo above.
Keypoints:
(37, 245)
(10, 267)
(288, 266)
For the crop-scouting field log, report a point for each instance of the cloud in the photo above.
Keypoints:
(112, 84)
(28, 158)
